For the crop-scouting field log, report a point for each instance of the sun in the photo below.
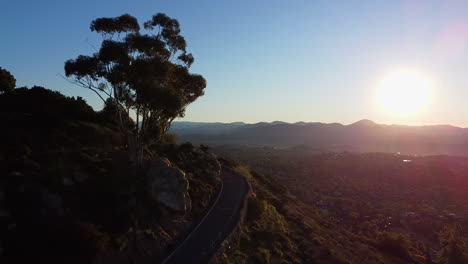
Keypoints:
(404, 91)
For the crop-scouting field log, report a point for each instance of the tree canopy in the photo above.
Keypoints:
(144, 72)
(7, 81)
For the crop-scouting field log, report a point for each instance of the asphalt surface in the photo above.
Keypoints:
(206, 238)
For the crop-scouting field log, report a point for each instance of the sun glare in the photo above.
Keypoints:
(404, 91)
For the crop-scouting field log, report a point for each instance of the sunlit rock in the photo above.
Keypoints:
(168, 186)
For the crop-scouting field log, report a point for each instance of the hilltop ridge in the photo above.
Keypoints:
(361, 136)
(362, 122)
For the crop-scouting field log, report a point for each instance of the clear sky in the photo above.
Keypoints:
(267, 60)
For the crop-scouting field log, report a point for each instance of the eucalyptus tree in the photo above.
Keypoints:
(143, 71)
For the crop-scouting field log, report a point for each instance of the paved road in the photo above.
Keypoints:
(205, 239)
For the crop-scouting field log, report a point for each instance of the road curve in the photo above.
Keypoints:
(219, 222)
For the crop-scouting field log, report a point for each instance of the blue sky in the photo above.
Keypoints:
(267, 60)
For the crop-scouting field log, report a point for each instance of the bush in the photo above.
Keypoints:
(396, 244)
(186, 147)
(170, 138)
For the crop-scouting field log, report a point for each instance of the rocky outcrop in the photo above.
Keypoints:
(168, 186)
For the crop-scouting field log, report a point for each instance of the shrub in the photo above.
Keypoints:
(170, 138)
(186, 147)
(396, 244)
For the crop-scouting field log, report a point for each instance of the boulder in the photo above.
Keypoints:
(160, 162)
(168, 186)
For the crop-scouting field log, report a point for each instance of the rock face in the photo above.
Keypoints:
(168, 186)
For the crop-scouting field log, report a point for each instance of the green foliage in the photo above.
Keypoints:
(170, 138)
(270, 221)
(243, 171)
(265, 232)
(7, 81)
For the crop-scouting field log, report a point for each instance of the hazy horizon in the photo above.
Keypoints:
(378, 123)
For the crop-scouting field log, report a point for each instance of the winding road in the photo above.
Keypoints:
(217, 224)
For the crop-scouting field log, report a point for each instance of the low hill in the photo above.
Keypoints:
(205, 128)
(361, 136)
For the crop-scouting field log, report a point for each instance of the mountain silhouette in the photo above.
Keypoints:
(361, 136)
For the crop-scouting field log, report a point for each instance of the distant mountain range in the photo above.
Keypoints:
(361, 136)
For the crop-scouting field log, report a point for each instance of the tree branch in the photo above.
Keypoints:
(81, 84)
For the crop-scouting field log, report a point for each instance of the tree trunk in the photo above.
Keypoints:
(135, 148)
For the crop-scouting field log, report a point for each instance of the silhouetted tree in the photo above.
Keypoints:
(45, 104)
(146, 73)
(7, 81)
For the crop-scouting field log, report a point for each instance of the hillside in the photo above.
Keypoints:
(280, 228)
(361, 136)
(69, 194)
(394, 208)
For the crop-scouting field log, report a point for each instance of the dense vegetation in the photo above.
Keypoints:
(398, 208)
(279, 228)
